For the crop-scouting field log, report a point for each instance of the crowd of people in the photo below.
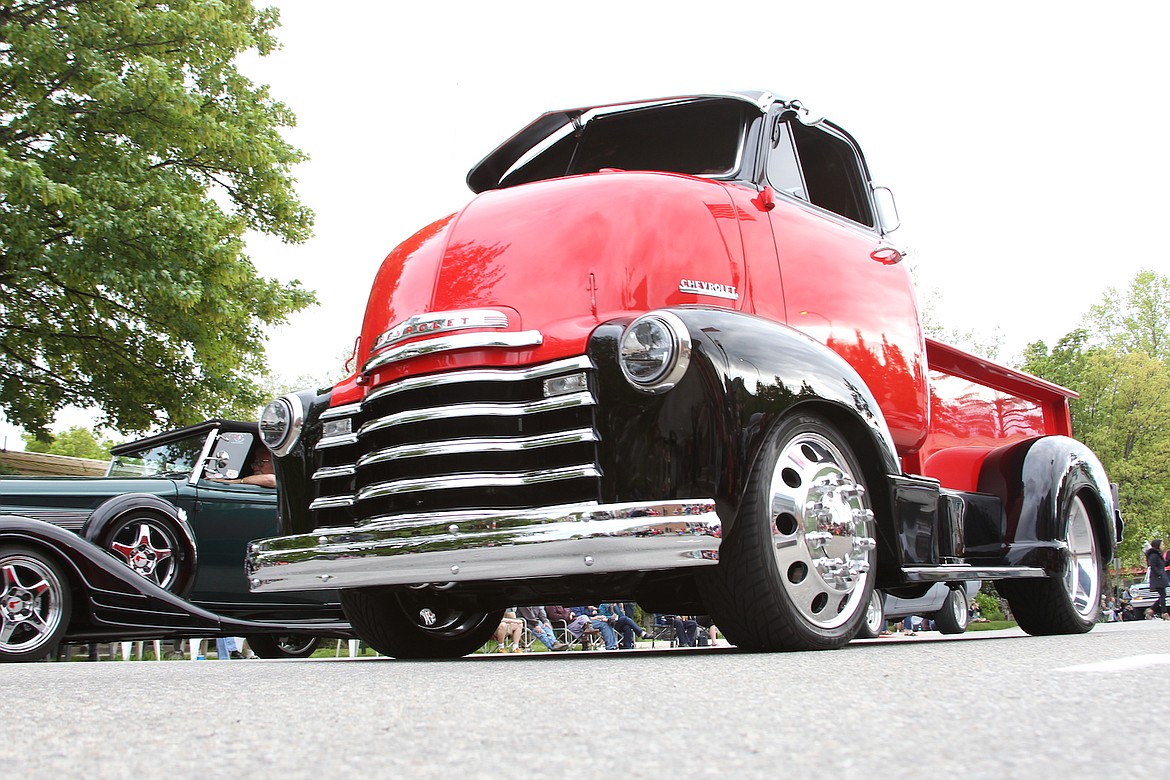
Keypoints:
(613, 626)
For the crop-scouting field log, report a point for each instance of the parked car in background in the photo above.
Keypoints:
(947, 604)
(170, 511)
(1140, 596)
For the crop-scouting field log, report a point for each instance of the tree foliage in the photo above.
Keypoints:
(1119, 362)
(133, 156)
(76, 442)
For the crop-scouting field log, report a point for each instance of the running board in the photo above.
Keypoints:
(958, 573)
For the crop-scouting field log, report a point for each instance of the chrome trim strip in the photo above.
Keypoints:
(510, 340)
(463, 446)
(341, 411)
(336, 441)
(478, 479)
(579, 363)
(469, 546)
(478, 410)
(331, 502)
(960, 572)
(328, 472)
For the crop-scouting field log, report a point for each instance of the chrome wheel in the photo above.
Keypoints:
(147, 545)
(1082, 576)
(794, 570)
(875, 617)
(822, 530)
(34, 605)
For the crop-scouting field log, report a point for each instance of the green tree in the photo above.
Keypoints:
(133, 157)
(1118, 362)
(1137, 320)
(76, 442)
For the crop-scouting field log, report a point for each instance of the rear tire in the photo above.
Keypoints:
(954, 616)
(1071, 602)
(35, 604)
(416, 625)
(794, 571)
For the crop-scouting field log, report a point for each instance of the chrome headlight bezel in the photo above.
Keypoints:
(654, 351)
(281, 423)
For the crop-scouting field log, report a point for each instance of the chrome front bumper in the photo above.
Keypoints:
(474, 546)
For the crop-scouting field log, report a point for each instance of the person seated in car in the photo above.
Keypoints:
(262, 474)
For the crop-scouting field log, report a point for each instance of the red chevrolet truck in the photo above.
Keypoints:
(668, 354)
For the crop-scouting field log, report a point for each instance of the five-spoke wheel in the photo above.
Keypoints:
(34, 604)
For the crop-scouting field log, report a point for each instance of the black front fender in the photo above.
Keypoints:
(701, 438)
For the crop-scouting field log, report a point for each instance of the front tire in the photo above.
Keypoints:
(1071, 602)
(273, 646)
(416, 625)
(35, 604)
(794, 571)
(954, 615)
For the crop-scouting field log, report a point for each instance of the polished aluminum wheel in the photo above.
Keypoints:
(822, 530)
(32, 604)
(147, 545)
(1082, 576)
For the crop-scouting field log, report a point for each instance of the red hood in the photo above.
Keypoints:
(561, 256)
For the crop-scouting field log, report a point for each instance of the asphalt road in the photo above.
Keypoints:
(984, 705)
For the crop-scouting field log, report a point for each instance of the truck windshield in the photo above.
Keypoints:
(701, 138)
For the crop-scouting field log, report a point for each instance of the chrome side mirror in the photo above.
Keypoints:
(887, 209)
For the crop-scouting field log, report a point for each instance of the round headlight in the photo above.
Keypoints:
(280, 424)
(655, 351)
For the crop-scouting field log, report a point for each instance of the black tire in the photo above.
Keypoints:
(875, 617)
(1070, 603)
(794, 570)
(954, 616)
(292, 646)
(152, 545)
(416, 625)
(35, 604)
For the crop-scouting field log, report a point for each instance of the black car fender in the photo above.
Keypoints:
(1037, 480)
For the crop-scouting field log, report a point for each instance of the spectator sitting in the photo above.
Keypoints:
(541, 627)
(710, 634)
(601, 624)
(621, 622)
(685, 627)
(576, 624)
(510, 627)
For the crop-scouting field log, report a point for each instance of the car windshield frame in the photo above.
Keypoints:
(181, 457)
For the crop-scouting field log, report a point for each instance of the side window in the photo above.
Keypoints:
(822, 168)
(832, 173)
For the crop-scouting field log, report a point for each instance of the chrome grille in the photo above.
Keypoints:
(476, 439)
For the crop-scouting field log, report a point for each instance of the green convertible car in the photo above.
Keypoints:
(175, 512)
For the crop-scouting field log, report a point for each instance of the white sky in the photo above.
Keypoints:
(1021, 140)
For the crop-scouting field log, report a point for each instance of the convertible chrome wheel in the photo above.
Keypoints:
(34, 604)
(954, 615)
(875, 617)
(150, 546)
(803, 543)
(291, 646)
